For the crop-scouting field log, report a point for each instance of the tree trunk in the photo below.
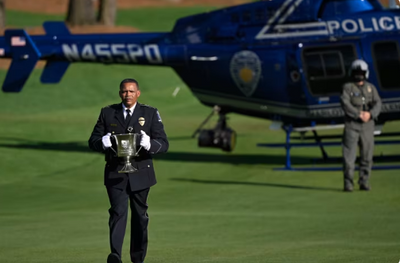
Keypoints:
(81, 12)
(2, 14)
(107, 12)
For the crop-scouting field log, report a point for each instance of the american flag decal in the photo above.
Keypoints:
(18, 41)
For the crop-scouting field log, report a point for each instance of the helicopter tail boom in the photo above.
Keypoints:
(59, 48)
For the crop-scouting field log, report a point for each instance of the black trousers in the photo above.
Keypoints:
(139, 221)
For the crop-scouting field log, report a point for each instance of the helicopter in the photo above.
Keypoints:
(285, 61)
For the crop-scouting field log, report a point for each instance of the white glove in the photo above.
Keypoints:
(145, 141)
(106, 141)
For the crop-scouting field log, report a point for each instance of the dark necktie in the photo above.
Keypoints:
(128, 116)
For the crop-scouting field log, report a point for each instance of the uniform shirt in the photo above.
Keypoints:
(131, 109)
(356, 98)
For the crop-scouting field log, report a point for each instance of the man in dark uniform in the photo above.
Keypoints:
(362, 105)
(129, 116)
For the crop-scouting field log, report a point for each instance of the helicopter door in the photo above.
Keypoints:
(325, 67)
(384, 55)
(198, 61)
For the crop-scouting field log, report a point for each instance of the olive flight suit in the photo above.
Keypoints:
(355, 99)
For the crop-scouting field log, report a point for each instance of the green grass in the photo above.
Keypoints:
(23, 19)
(208, 206)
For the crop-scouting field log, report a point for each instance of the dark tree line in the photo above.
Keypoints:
(83, 12)
(2, 14)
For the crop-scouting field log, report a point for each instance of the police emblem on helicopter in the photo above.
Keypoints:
(245, 68)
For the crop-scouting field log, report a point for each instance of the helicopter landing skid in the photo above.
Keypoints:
(325, 158)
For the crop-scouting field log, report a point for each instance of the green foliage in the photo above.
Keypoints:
(208, 206)
(156, 19)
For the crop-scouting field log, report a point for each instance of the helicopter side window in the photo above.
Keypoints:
(333, 64)
(324, 65)
(260, 15)
(314, 66)
(387, 63)
(235, 18)
(270, 12)
(246, 16)
(325, 68)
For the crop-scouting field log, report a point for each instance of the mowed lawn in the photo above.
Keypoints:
(208, 206)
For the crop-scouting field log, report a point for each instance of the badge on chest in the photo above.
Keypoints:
(141, 121)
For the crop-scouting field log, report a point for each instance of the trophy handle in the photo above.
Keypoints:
(116, 142)
(139, 137)
(137, 152)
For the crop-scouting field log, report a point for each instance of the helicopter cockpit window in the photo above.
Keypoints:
(387, 62)
(331, 8)
(325, 68)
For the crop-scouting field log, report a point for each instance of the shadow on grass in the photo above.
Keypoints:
(170, 156)
(181, 138)
(49, 146)
(229, 158)
(257, 184)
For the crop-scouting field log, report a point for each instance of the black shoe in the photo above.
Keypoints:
(348, 188)
(364, 187)
(113, 258)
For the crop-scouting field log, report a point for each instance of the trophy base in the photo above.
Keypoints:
(128, 168)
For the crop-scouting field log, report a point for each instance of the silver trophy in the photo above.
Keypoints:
(127, 148)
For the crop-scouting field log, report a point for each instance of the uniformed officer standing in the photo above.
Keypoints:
(362, 105)
(129, 116)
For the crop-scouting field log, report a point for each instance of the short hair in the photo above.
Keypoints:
(121, 85)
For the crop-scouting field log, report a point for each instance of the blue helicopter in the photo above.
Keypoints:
(283, 60)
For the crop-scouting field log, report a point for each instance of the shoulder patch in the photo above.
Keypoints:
(159, 117)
